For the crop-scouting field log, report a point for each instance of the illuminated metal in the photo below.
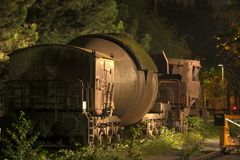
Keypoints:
(222, 67)
(135, 78)
(226, 141)
(232, 122)
(84, 106)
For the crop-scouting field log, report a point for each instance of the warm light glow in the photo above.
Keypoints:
(235, 108)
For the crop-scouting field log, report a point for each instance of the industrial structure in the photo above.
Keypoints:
(88, 90)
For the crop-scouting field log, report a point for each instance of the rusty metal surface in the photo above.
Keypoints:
(134, 89)
(189, 71)
(66, 63)
(104, 86)
(126, 42)
(51, 62)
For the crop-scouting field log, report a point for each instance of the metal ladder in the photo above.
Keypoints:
(109, 94)
(90, 135)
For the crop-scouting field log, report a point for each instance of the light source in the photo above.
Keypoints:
(222, 66)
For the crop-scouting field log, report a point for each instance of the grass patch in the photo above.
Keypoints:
(167, 142)
(212, 130)
(135, 148)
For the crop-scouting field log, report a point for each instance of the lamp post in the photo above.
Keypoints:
(222, 66)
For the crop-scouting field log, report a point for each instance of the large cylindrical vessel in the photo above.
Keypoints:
(135, 81)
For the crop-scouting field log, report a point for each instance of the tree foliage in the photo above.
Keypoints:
(211, 82)
(59, 21)
(56, 21)
(229, 51)
(14, 31)
(151, 30)
(228, 42)
(17, 143)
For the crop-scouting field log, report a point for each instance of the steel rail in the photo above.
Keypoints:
(209, 156)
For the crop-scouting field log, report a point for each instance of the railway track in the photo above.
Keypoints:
(217, 155)
(230, 157)
(209, 156)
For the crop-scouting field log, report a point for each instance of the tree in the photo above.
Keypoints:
(228, 42)
(151, 30)
(60, 21)
(14, 31)
(227, 38)
(211, 78)
(56, 21)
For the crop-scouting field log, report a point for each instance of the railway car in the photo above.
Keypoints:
(178, 91)
(85, 91)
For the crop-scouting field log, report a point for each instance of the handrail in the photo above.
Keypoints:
(232, 122)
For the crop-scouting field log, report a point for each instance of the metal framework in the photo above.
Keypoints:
(47, 94)
(226, 140)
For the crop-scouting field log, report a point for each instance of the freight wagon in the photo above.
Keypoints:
(89, 89)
